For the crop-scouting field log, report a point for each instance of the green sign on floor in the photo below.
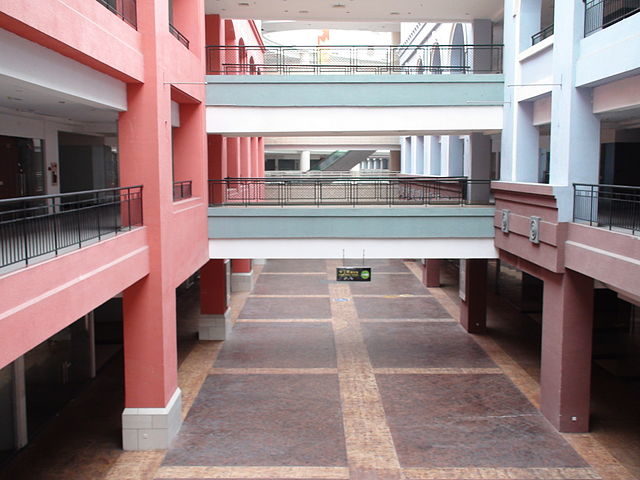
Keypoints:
(353, 274)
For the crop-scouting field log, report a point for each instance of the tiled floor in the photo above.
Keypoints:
(327, 380)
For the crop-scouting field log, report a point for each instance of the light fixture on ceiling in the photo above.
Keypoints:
(394, 13)
(338, 5)
(303, 11)
(243, 4)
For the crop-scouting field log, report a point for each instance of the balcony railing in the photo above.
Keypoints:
(542, 34)
(327, 191)
(354, 59)
(176, 33)
(181, 190)
(125, 9)
(32, 227)
(607, 206)
(601, 14)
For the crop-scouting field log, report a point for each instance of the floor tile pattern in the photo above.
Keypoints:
(331, 380)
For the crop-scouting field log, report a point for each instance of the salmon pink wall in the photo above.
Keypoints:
(83, 30)
(40, 300)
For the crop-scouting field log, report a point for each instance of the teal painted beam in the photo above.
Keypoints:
(437, 222)
(355, 90)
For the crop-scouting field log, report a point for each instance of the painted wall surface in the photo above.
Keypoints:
(417, 222)
(44, 298)
(610, 53)
(276, 121)
(354, 90)
(353, 248)
(82, 36)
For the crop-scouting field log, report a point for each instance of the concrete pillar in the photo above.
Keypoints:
(215, 316)
(405, 158)
(20, 432)
(417, 155)
(394, 160)
(261, 157)
(245, 157)
(565, 369)
(478, 167)
(473, 295)
(432, 145)
(217, 164)
(241, 275)
(233, 157)
(519, 136)
(452, 156)
(305, 160)
(431, 272)
(482, 35)
(214, 35)
(575, 130)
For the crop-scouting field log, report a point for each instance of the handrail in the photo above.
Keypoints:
(182, 190)
(37, 226)
(176, 33)
(353, 59)
(607, 206)
(542, 34)
(601, 14)
(127, 11)
(379, 191)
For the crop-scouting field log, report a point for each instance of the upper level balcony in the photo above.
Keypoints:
(614, 207)
(37, 228)
(125, 9)
(328, 216)
(601, 14)
(353, 59)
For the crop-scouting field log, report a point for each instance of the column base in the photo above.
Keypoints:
(152, 428)
(259, 261)
(241, 282)
(214, 327)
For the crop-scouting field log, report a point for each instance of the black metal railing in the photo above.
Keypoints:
(176, 33)
(181, 190)
(382, 191)
(354, 59)
(125, 9)
(31, 227)
(607, 206)
(601, 14)
(542, 34)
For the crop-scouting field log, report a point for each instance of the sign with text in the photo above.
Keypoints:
(353, 274)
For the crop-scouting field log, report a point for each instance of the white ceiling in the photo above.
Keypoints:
(357, 10)
(23, 97)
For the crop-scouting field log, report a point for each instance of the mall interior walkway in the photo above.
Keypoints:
(328, 380)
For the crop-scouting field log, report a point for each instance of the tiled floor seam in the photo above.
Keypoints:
(371, 452)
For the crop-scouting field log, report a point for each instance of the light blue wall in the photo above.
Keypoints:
(301, 222)
(354, 90)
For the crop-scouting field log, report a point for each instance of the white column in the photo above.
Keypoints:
(575, 130)
(482, 35)
(452, 156)
(479, 167)
(405, 155)
(519, 136)
(434, 147)
(305, 160)
(415, 154)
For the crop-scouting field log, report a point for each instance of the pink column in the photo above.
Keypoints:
(241, 265)
(245, 157)
(473, 308)
(214, 321)
(214, 35)
(217, 166)
(233, 157)
(261, 157)
(431, 272)
(254, 157)
(565, 370)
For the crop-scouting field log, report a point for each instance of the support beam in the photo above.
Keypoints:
(215, 315)
(567, 331)
(473, 290)
(431, 272)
